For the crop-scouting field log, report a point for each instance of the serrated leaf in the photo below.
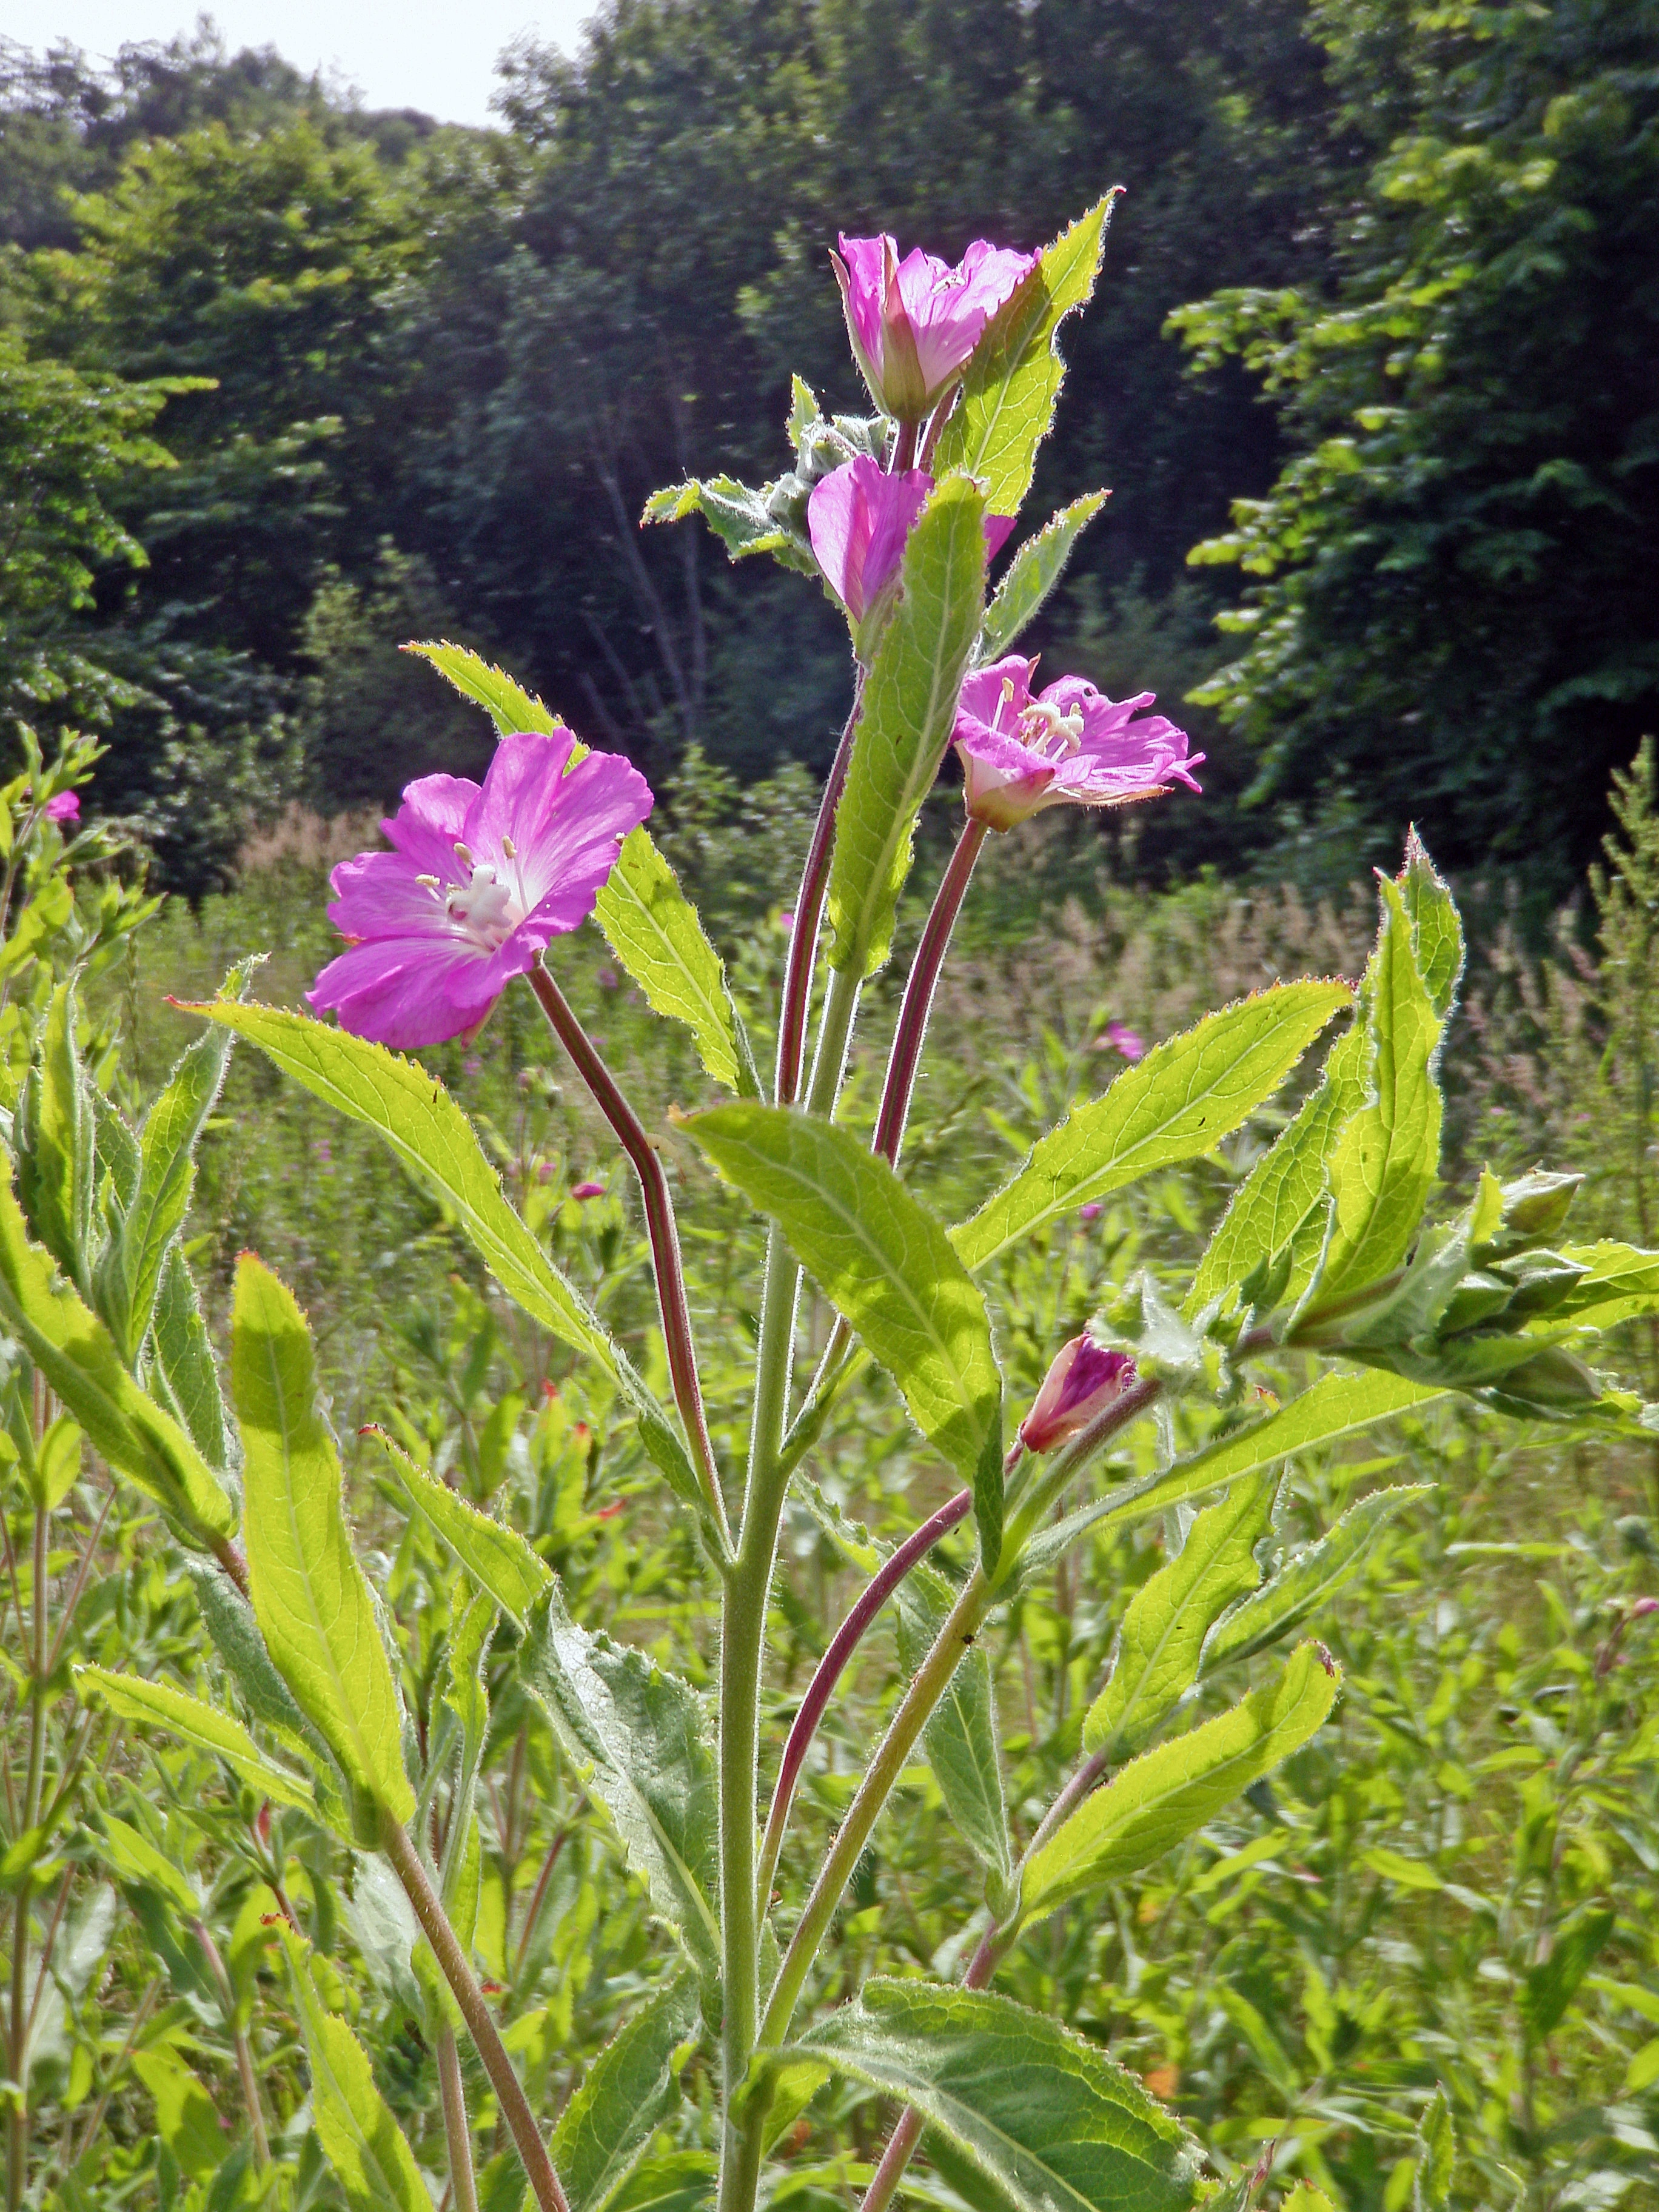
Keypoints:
(961, 1737)
(744, 520)
(1176, 1104)
(1048, 2121)
(1551, 1986)
(1620, 1282)
(496, 1558)
(1032, 574)
(166, 1173)
(1013, 379)
(654, 930)
(886, 1265)
(311, 1598)
(78, 1358)
(1168, 1794)
(628, 2091)
(1436, 926)
(1303, 1583)
(56, 1140)
(904, 721)
(132, 1858)
(1164, 1627)
(361, 2139)
(512, 709)
(207, 1727)
(1436, 2156)
(183, 1372)
(639, 1737)
(433, 1138)
(1280, 1202)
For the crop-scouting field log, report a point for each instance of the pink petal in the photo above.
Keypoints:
(378, 895)
(862, 259)
(405, 991)
(981, 696)
(426, 827)
(858, 519)
(949, 307)
(566, 828)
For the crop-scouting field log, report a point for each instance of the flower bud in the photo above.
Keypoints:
(1084, 1380)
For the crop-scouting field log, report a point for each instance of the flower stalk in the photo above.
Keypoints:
(911, 1030)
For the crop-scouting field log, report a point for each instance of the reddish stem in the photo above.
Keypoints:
(660, 1226)
(831, 1667)
(912, 1027)
(809, 911)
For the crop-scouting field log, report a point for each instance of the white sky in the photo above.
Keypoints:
(429, 54)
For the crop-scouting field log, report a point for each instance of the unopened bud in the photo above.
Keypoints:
(1084, 1380)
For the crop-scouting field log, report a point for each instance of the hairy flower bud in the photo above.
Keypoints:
(1084, 1379)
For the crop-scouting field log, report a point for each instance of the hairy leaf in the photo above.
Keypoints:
(512, 709)
(208, 1727)
(628, 2091)
(961, 1737)
(497, 1558)
(1303, 1583)
(654, 930)
(362, 2141)
(182, 1370)
(57, 1144)
(1032, 574)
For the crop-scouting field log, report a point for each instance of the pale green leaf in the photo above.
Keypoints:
(361, 2139)
(1436, 2156)
(1032, 574)
(886, 1265)
(1164, 1627)
(1620, 1282)
(311, 1598)
(1168, 1794)
(627, 2094)
(1048, 2122)
(133, 1858)
(654, 930)
(512, 709)
(209, 1728)
(961, 1737)
(167, 1176)
(182, 1371)
(639, 1738)
(497, 1558)
(57, 1142)
(1305, 1582)
(1176, 1104)
(1436, 928)
(904, 722)
(1013, 379)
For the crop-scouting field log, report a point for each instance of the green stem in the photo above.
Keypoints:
(18, 2130)
(458, 2130)
(398, 1847)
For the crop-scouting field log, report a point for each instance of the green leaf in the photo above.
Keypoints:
(1620, 1282)
(961, 1737)
(1014, 377)
(654, 930)
(1033, 572)
(744, 520)
(886, 1265)
(1388, 1154)
(1176, 1104)
(1167, 1618)
(207, 1727)
(183, 1372)
(57, 1463)
(1303, 1583)
(1280, 1202)
(57, 1144)
(133, 1858)
(1436, 2156)
(498, 1559)
(311, 1598)
(433, 1138)
(1048, 2121)
(77, 1356)
(904, 722)
(639, 1738)
(1168, 1794)
(362, 2141)
(1436, 928)
(166, 1176)
(1550, 1988)
(628, 2091)
(186, 2119)
(511, 708)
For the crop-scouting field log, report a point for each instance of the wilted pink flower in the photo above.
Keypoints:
(1123, 1039)
(1068, 745)
(66, 806)
(478, 883)
(858, 519)
(914, 323)
(587, 1190)
(1084, 1380)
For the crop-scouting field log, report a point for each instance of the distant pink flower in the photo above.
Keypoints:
(1092, 1211)
(858, 519)
(1084, 1379)
(786, 919)
(587, 1190)
(1068, 745)
(480, 881)
(66, 806)
(914, 323)
(1123, 1039)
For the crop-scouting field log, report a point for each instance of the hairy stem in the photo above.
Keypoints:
(809, 912)
(398, 1847)
(912, 1026)
(17, 2158)
(245, 2072)
(932, 1678)
(833, 1664)
(457, 2129)
(660, 1226)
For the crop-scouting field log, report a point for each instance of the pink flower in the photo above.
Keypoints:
(1123, 1039)
(858, 519)
(1069, 745)
(587, 1190)
(914, 323)
(64, 807)
(478, 883)
(1084, 1379)
(1092, 1211)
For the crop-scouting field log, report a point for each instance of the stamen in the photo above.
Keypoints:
(509, 848)
(428, 883)
(463, 856)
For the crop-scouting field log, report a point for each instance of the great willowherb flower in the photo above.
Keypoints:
(1068, 745)
(1084, 1380)
(914, 323)
(63, 807)
(1123, 1039)
(858, 519)
(479, 882)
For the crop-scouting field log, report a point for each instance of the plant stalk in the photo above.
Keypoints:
(809, 912)
(398, 1847)
(912, 1026)
(17, 2147)
(458, 2130)
(660, 1226)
